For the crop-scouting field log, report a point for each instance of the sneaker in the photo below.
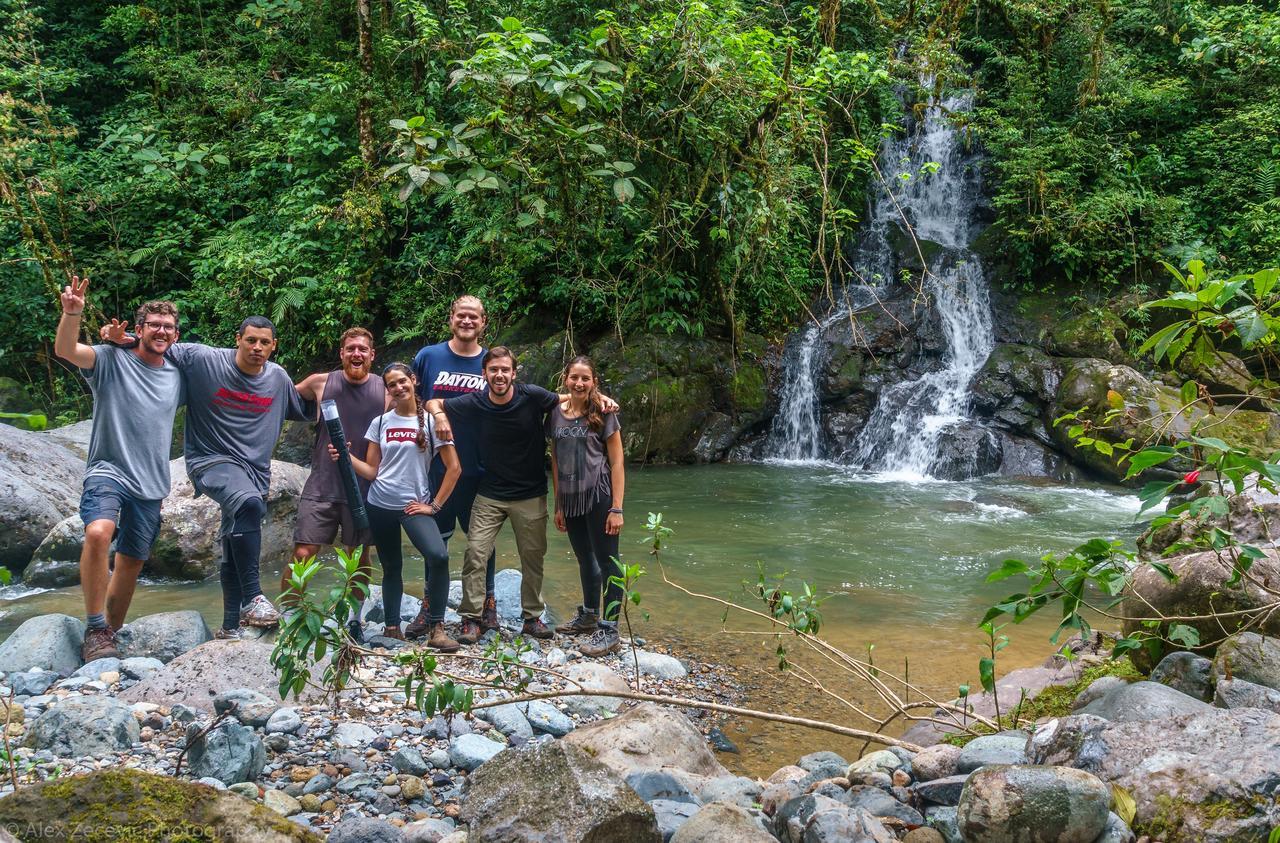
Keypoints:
(535, 628)
(489, 614)
(355, 631)
(419, 625)
(470, 633)
(584, 621)
(228, 634)
(603, 641)
(100, 644)
(440, 640)
(259, 612)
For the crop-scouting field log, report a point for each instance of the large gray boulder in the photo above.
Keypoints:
(1143, 701)
(1208, 776)
(56, 562)
(1004, 748)
(1200, 592)
(229, 753)
(40, 484)
(49, 642)
(1251, 657)
(81, 726)
(1237, 693)
(647, 738)
(1033, 804)
(1186, 672)
(372, 610)
(554, 792)
(163, 636)
(188, 546)
(195, 678)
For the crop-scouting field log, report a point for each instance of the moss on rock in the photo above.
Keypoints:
(113, 805)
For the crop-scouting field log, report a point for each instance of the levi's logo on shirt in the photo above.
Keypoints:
(402, 434)
(235, 400)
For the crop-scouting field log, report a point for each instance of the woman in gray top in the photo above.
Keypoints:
(588, 476)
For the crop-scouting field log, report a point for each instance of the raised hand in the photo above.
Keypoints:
(73, 296)
(113, 332)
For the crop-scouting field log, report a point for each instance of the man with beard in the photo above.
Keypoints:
(136, 393)
(323, 510)
(508, 421)
(237, 401)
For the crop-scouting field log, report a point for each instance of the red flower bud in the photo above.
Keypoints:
(1191, 476)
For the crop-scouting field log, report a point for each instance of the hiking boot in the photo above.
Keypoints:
(440, 640)
(584, 621)
(355, 630)
(470, 633)
(99, 644)
(489, 614)
(602, 642)
(418, 626)
(535, 628)
(394, 633)
(259, 612)
(228, 634)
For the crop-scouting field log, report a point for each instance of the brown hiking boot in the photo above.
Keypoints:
(602, 642)
(393, 632)
(535, 628)
(99, 644)
(418, 626)
(441, 641)
(584, 621)
(489, 615)
(470, 633)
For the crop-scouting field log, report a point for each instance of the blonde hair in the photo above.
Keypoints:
(467, 299)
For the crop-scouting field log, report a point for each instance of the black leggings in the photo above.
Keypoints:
(385, 525)
(241, 553)
(596, 551)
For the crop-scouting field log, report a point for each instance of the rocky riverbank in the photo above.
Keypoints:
(181, 724)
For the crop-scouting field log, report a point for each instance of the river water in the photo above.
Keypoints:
(902, 564)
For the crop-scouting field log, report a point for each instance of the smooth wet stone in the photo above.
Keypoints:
(944, 791)
(826, 764)
(353, 735)
(140, 667)
(660, 665)
(85, 726)
(508, 719)
(1008, 803)
(671, 815)
(1116, 831)
(281, 802)
(245, 790)
(285, 721)
(1186, 672)
(408, 759)
(97, 667)
(1254, 658)
(1237, 693)
(48, 642)
(318, 784)
(721, 742)
(230, 753)
(547, 719)
(877, 803)
(467, 752)
(32, 684)
(1144, 701)
(250, 707)
(1004, 748)
(882, 761)
(936, 762)
(661, 784)
(364, 830)
(1097, 689)
(720, 823)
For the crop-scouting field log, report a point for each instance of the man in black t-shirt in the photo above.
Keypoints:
(509, 423)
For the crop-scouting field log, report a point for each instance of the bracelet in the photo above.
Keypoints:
(615, 511)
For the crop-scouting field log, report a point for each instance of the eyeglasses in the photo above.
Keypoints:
(161, 327)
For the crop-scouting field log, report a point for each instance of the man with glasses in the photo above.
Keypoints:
(136, 393)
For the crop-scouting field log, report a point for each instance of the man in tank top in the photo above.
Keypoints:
(323, 511)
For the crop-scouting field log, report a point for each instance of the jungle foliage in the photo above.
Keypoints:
(685, 166)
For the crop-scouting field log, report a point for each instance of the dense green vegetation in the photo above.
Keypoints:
(685, 167)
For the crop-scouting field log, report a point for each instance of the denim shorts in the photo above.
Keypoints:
(137, 520)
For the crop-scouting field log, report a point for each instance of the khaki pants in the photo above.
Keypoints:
(529, 523)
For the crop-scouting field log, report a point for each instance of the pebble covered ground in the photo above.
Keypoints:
(373, 755)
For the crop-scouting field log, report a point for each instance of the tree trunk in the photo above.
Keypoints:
(364, 119)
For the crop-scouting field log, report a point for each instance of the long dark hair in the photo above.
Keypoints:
(422, 416)
(595, 407)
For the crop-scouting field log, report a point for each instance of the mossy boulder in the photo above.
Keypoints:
(1098, 332)
(1153, 412)
(683, 399)
(112, 805)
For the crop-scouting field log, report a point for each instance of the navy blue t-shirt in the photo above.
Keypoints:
(443, 374)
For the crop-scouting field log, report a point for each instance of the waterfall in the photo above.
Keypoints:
(903, 432)
(910, 417)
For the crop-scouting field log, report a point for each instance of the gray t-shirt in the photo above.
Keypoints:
(233, 417)
(582, 467)
(133, 407)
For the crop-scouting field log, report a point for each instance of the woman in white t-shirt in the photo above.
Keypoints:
(402, 443)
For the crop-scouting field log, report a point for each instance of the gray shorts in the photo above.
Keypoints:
(229, 486)
(320, 521)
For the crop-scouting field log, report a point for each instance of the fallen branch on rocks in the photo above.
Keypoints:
(213, 724)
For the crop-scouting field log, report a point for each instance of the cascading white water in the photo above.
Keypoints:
(903, 432)
(904, 429)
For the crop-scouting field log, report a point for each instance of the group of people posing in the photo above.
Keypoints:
(452, 441)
